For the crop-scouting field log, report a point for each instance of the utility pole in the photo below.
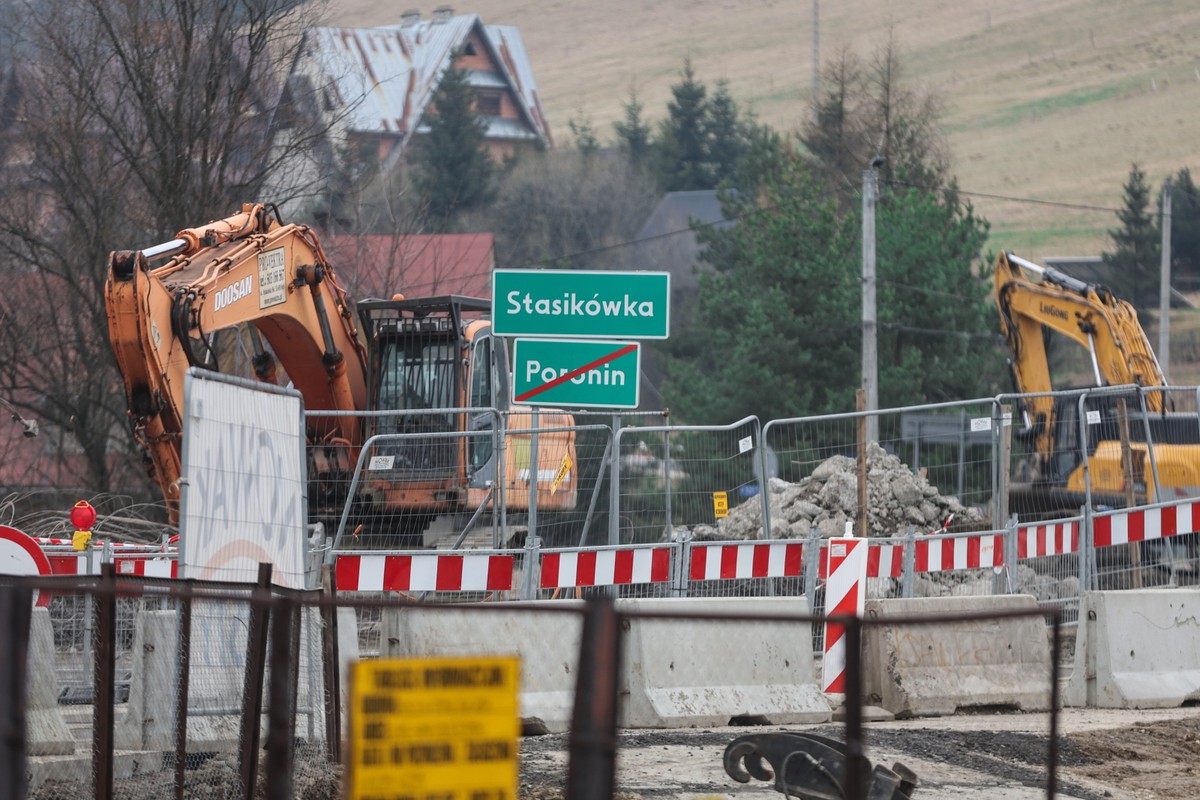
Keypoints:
(870, 362)
(1164, 286)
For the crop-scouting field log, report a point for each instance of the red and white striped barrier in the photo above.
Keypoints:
(1140, 525)
(146, 560)
(845, 594)
(421, 573)
(1052, 539)
(960, 552)
(718, 562)
(605, 567)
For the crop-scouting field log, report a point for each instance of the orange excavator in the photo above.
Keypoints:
(423, 393)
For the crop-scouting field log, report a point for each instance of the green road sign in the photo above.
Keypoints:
(581, 304)
(571, 373)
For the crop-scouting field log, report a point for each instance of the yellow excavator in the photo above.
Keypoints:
(428, 373)
(1036, 302)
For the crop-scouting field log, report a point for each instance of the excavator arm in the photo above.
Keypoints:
(250, 273)
(1033, 299)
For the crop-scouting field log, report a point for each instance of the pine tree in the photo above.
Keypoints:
(453, 170)
(726, 138)
(1134, 264)
(1185, 231)
(683, 150)
(633, 135)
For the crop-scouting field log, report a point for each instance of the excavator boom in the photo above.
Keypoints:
(251, 274)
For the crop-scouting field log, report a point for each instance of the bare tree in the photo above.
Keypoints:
(126, 122)
(564, 209)
(868, 111)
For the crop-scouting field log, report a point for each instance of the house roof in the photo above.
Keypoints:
(415, 265)
(666, 242)
(384, 78)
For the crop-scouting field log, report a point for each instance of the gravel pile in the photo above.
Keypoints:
(897, 498)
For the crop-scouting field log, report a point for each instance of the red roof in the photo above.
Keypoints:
(416, 266)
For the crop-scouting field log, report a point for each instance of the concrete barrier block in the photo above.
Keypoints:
(936, 669)
(547, 643)
(707, 672)
(1137, 649)
(46, 731)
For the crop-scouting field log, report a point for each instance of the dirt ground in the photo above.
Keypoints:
(1127, 755)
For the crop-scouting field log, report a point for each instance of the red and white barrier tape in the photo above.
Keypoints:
(1147, 523)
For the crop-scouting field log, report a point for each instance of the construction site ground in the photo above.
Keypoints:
(1123, 754)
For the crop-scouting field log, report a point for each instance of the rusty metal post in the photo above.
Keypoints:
(281, 716)
(1130, 473)
(252, 691)
(858, 768)
(1052, 757)
(16, 610)
(181, 700)
(332, 667)
(103, 690)
(591, 770)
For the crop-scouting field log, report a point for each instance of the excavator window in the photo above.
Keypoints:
(481, 397)
(416, 375)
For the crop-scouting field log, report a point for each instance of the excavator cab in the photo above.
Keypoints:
(431, 373)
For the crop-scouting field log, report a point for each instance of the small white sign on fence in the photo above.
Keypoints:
(745, 444)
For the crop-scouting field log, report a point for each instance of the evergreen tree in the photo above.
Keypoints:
(937, 330)
(1185, 231)
(585, 135)
(777, 317)
(682, 137)
(453, 171)
(633, 135)
(726, 137)
(1134, 264)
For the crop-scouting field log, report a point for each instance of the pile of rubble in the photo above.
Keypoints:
(827, 499)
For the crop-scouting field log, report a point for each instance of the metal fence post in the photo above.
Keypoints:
(16, 610)
(533, 472)
(1011, 552)
(591, 769)
(332, 669)
(181, 701)
(666, 463)
(281, 719)
(1086, 551)
(857, 766)
(530, 566)
(812, 566)
(764, 482)
(256, 664)
(614, 486)
(104, 691)
(908, 577)
(681, 562)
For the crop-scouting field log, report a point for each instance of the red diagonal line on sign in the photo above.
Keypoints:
(566, 376)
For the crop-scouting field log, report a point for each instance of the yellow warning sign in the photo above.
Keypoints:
(433, 729)
(564, 470)
(720, 504)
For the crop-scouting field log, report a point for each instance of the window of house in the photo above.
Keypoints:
(488, 103)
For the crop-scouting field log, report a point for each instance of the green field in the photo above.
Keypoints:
(1049, 99)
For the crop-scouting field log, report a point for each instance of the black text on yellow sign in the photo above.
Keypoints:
(434, 729)
(720, 504)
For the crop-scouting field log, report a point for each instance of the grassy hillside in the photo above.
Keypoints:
(1049, 100)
